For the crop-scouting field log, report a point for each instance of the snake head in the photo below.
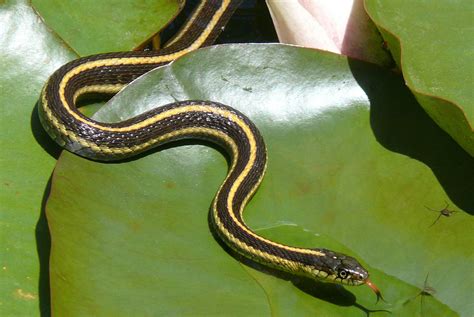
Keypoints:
(339, 268)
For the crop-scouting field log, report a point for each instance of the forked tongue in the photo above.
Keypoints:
(375, 289)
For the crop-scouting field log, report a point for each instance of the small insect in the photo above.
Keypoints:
(426, 291)
(443, 212)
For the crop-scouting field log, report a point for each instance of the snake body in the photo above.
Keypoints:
(218, 123)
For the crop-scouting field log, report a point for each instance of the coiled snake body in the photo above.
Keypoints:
(108, 73)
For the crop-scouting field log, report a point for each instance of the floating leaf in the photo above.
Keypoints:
(352, 165)
(429, 42)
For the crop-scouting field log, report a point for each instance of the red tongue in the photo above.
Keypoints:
(375, 289)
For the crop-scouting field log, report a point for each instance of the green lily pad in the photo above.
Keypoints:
(29, 52)
(428, 41)
(352, 166)
(121, 25)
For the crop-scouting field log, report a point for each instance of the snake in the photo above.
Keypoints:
(235, 133)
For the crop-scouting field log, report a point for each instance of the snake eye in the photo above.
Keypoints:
(343, 274)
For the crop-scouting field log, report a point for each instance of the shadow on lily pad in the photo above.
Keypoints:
(402, 126)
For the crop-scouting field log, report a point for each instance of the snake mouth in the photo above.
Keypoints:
(374, 288)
